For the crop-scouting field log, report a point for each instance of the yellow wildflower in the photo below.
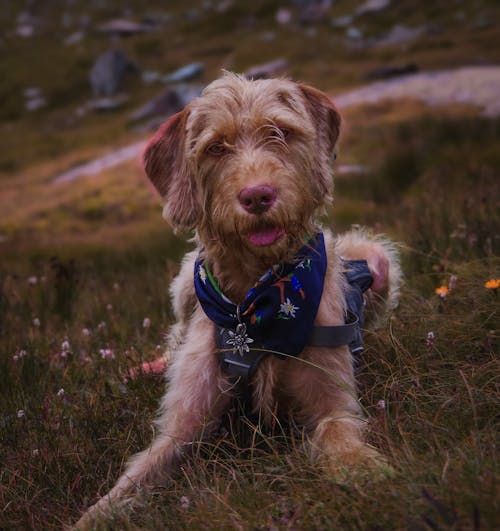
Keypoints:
(442, 291)
(493, 283)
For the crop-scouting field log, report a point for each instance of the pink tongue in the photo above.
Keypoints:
(265, 236)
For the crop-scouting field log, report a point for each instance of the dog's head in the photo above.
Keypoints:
(248, 163)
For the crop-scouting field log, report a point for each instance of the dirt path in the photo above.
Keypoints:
(476, 86)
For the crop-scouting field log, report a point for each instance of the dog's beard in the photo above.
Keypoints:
(267, 240)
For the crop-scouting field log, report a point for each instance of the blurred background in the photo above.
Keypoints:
(84, 83)
(86, 259)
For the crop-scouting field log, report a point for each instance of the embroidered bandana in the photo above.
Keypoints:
(277, 313)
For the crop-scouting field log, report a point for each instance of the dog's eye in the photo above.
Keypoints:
(217, 149)
(280, 132)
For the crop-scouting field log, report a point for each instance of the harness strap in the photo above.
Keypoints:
(242, 365)
(335, 336)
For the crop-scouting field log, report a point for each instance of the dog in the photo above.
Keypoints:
(248, 165)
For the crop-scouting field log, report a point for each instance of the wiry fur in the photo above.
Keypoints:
(240, 134)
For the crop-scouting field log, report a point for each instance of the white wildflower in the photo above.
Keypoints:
(107, 354)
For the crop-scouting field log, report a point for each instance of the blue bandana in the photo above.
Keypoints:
(278, 313)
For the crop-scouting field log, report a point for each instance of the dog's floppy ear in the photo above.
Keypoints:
(324, 114)
(168, 170)
(327, 123)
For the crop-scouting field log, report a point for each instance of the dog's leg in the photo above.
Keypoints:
(196, 398)
(326, 404)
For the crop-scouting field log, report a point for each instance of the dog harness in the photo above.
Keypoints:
(277, 315)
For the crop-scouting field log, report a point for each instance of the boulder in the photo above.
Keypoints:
(267, 70)
(372, 5)
(386, 72)
(185, 73)
(167, 103)
(124, 28)
(400, 34)
(107, 104)
(107, 73)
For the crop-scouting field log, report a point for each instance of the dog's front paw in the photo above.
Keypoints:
(364, 463)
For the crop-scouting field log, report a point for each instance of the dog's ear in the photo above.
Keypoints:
(168, 170)
(325, 116)
(327, 123)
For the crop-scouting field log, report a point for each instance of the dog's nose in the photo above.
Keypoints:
(257, 199)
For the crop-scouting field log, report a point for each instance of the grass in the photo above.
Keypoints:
(84, 264)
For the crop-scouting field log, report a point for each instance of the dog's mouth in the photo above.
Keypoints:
(264, 236)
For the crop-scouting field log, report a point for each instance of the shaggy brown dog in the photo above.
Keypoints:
(248, 165)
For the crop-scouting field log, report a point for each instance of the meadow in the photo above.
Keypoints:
(84, 276)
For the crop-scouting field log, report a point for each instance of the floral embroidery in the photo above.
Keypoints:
(287, 310)
(305, 264)
(202, 273)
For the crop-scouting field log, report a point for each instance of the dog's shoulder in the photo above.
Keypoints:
(182, 288)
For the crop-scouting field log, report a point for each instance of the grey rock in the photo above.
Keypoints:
(342, 22)
(25, 31)
(372, 5)
(350, 169)
(34, 99)
(186, 73)
(354, 33)
(149, 76)
(35, 103)
(400, 34)
(124, 27)
(74, 38)
(267, 70)
(283, 16)
(107, 73)
(107, 104)
(267, 36)
(314, 11)
(388, 71)
(167, 103)
(32, 92)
